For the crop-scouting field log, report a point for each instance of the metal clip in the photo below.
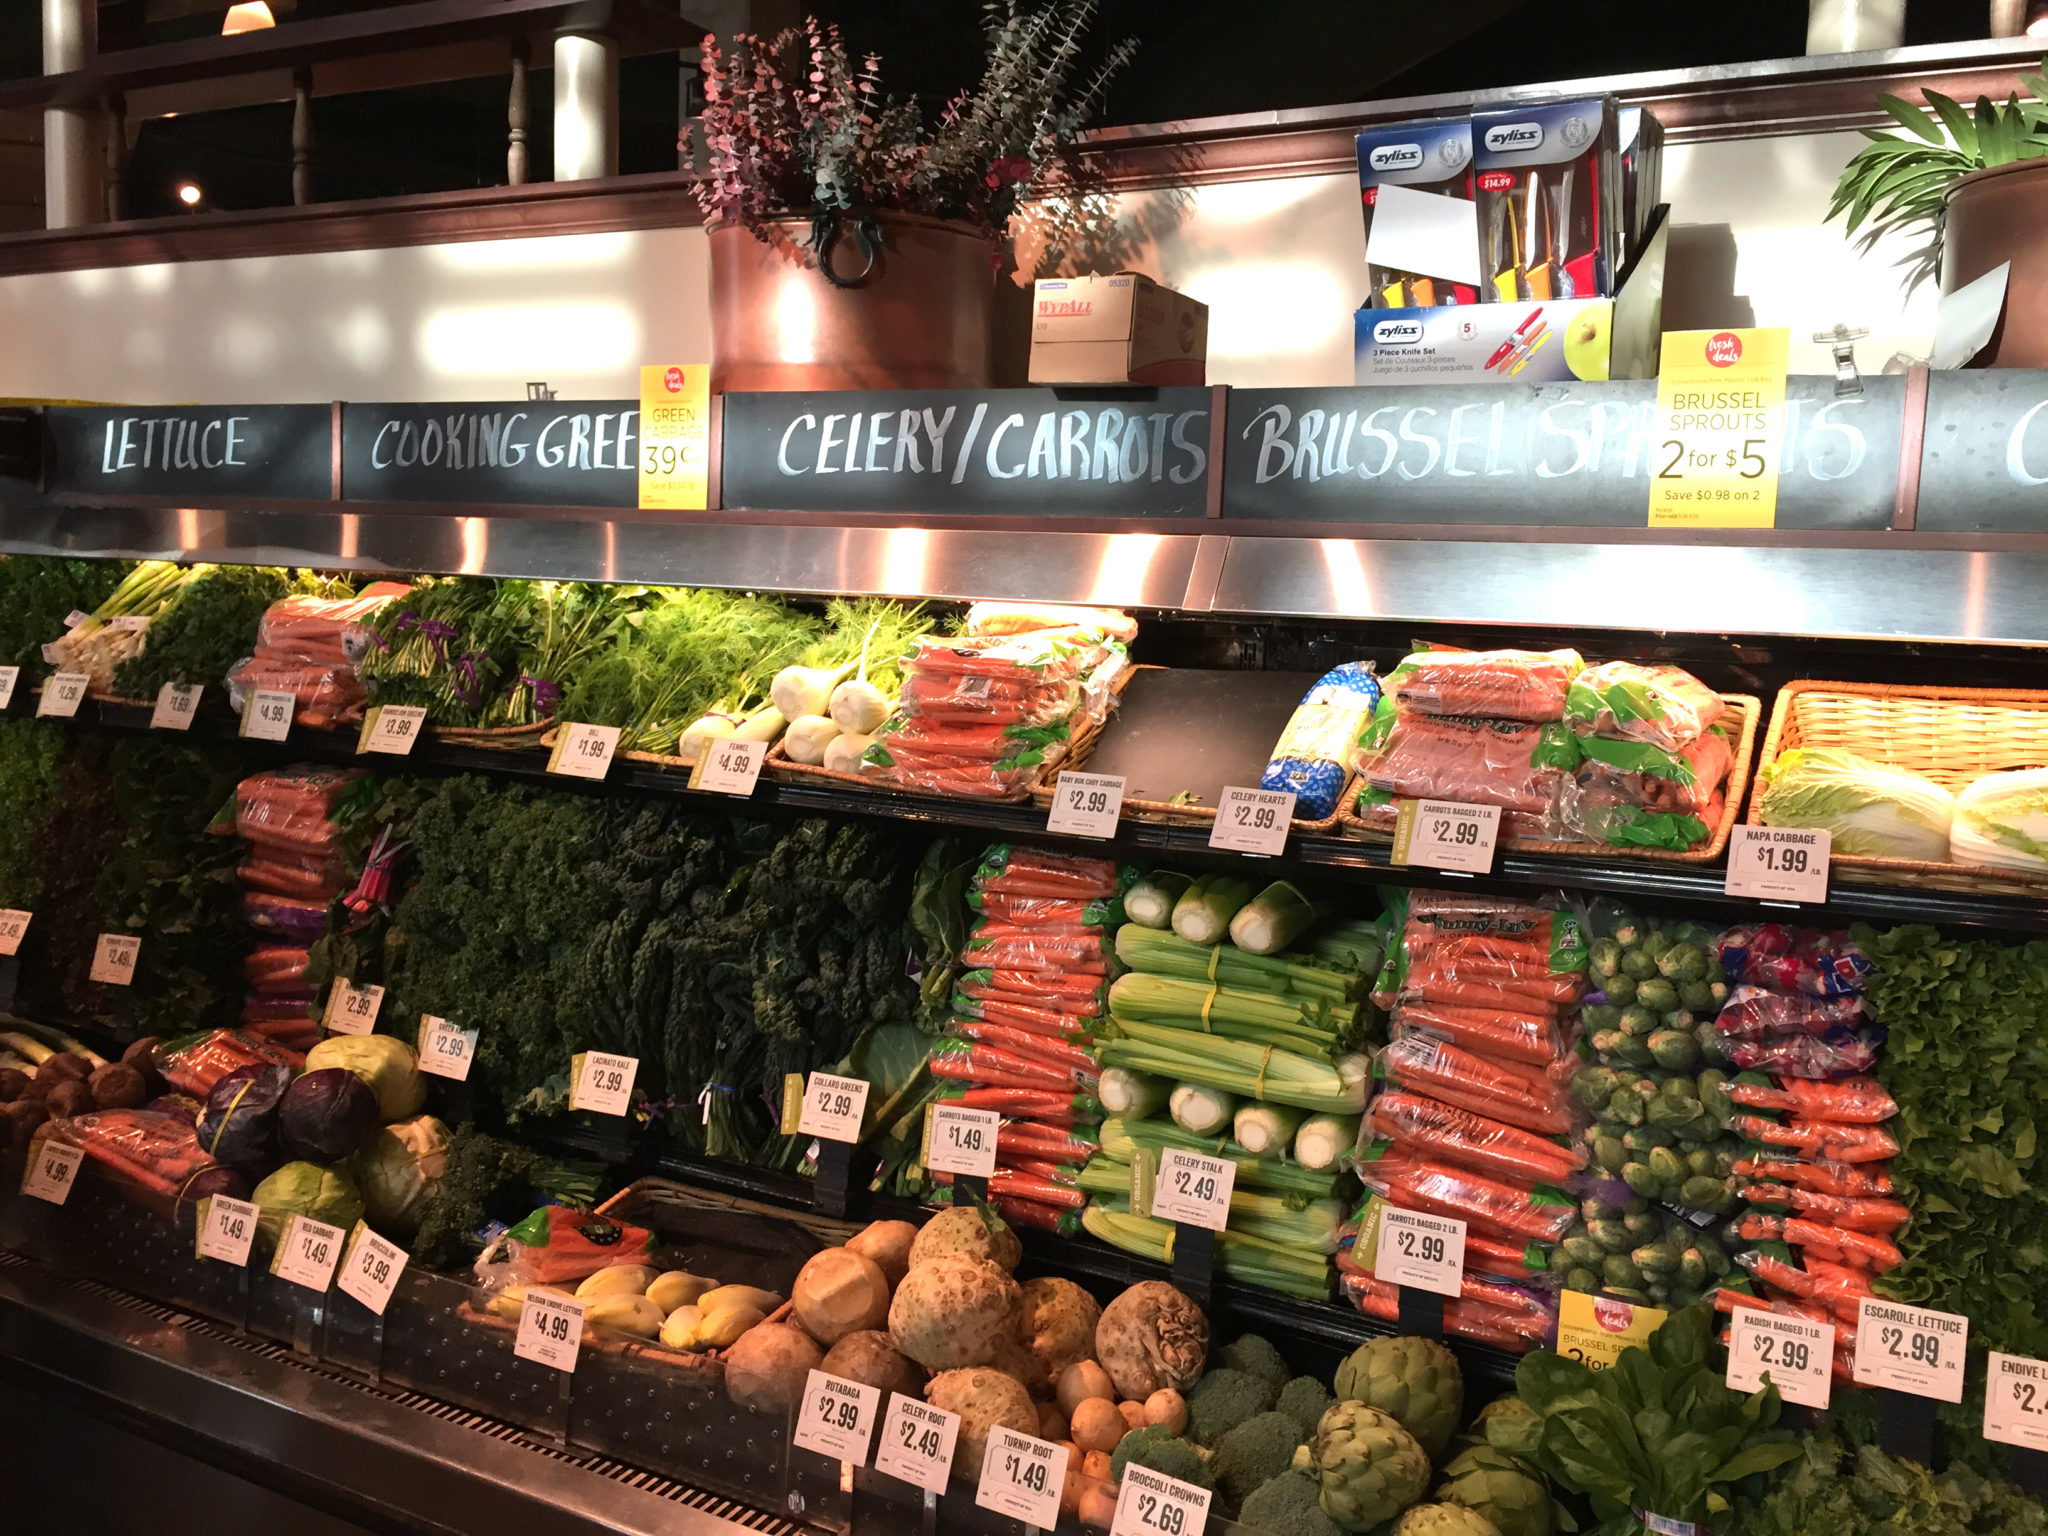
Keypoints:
(541, 391)
(1847, 380)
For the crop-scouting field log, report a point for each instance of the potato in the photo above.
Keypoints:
(678, 1288)
(840, 1292)
(679, 1328)
(1095, 1466)
(769, 1367)
(870, 1358)
(888, 1244)
(1081, 1381)
(1097, 1424)
(1167, 1407)
(1052, 1424)
(1134, 1415)
(619, 1280)
(633, 1315)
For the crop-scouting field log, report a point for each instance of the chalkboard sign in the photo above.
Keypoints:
(1139, 453)
(1532, 455)
(536, 453)
(284, 451)
(1985, 465)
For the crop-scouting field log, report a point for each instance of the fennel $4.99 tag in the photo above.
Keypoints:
(730, 766)
(49, 1173)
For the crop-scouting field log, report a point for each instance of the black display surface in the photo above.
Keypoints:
(1006, 452)
(534, 453)
(284, 451)
(1533, 455)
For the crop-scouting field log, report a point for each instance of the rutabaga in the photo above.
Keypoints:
(1150, 902)
(1203, 913)
(1273, 919)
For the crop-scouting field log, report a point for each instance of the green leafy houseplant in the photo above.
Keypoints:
(1658, 1434)
(1900, 185)
(793, 129)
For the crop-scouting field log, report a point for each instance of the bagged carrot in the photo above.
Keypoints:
(1861, 1100)
(1056, 1054)
(1501, 1034)
(1448, 1191)
(1822, 1175)
(1520, 1095)
(1828, 1140)
(1859, 1215)
(999, 1008)
(1460, 1136)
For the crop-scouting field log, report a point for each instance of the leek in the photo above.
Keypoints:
(1123, 1138)
(27, 1045)
(1144, 949)
(1273, 919)
(1321, 1141)
(1151, 900)
(1236, 1066)
(1242, 1258)
(1201, 1111)
(1132, 1093)
(1203, 913)
(1259, 1017)
(70, 1043)
(1265, 1130)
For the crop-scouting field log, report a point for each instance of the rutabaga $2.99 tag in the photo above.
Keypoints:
(917, 1443)
(837, 1417)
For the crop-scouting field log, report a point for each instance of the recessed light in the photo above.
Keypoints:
(251, 16)
(189, 194)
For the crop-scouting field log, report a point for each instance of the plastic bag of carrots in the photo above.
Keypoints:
(1517, 1094)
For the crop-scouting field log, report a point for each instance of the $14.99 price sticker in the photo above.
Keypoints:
(2016, 1401)
(550, 1330)
(1422, 1251)
(1150, 1503)
(837, 1417)
(1910, 1349)
(1021, 1476)
(1193, 1188)
(1795, 1352)
(917, 1443)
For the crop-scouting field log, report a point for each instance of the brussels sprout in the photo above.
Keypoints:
(1620, 988)
(1594, 1087)
(1585, 1280)
(1600, 1016)
(1718, 990)
(1618, 1270)
(1581, 1250)
(1683, 963)
(1644, 1225)
(1631, 1052)
(1604, 958)
(1631, 1293)
(1609, 1153)
(1639, 1178)
(1667, 1166)
(1697, 1132)
(1654, 1259)
(1610, 1234)
(1656, 942)
(1657, 994)
(1639, 964)
(1692, 1268)
(1696, 995)
(1629, 934)
(1681, 1018)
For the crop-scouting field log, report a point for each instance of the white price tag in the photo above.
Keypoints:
(1150, 1503)
(13, 927)
(917, 1443)
(9, 676)
(1252, 820)
(49, 1173)
(113, 959)
(351, 1010)
(308, 1253)
(370, 1271)
(134, 623)
(584, 751)
(1086, 804)
(175, 707)
(392, 728)
(833, 1107)
(267, 715)
(730, 767)
(1422, 1251)
(963, 1140)
(444, 1050)
(62, 694)
(226, 1228)
(1193, 1188)
(75, 617)
(837, 1418)
(550, 1330)
(604, 1082)
(2016, 1401)
(1443, 834)
(1910, 1349)
(1778, 863)
(1021, 1476)
(1797, 1353)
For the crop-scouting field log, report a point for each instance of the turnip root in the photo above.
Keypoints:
(838, 1292)
(1097, 1425)
(770, 1366)
(1134, 1414)
(1167, 1407)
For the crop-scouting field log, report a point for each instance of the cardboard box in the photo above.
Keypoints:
(1123, 329)
(1642, 172)
(1405, 259)
(1547, 186)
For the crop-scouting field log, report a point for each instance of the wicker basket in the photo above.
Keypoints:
(1953, 736)
(1739, 720)
(1201, 815)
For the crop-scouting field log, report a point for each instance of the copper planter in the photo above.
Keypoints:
(1999, 215)
(917, 319)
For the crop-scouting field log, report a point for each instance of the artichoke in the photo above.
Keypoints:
(1415, 1380)
(1444, 1520)
(1371, 1468)
(1499, 1487)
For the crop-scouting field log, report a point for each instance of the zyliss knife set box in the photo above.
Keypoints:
(1507, 265)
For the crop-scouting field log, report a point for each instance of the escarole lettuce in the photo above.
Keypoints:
(1868, 809)
(2002, 821)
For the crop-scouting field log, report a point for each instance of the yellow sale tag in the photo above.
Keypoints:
(675, 436)
(1594, 1330)
(1716, 437)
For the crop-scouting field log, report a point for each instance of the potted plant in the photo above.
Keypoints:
(853, 244)
(1976, 183)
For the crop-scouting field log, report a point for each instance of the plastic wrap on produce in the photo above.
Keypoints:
(1630, 794)
(1532, 1098)
(310, 647)
(1665, 706)
(1540, 1215)
(1312, 759)
(1499, 685)
(291, 808)
(1858, 1100)
(1012, 869)
(556, 1244)
(194, 1063)
(152, 1156)
(1471, 760)
(1436, 1129)
(1502, 1034)
(1757, 1013)
(1794, 959)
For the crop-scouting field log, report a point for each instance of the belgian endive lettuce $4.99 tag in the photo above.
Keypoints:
(1658, 1434)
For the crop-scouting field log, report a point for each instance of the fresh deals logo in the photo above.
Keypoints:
(1724, 349)
(673, 380)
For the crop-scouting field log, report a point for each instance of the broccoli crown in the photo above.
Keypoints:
(1256, 1452)
(1255, 1356)
(1224, 1399)
(1305, 1400)
(1159, 1448)
(1288, 1505)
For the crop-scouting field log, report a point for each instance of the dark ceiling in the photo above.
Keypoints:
(1196, 58)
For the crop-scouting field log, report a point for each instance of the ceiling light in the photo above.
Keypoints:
(251, 16)
(189, 194)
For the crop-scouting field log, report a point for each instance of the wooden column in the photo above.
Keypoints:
(302, 137)
(517, 117)
(117, 157)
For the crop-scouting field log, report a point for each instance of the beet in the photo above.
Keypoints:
(118, 1086)
(13, 1084)
(68, 1099)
